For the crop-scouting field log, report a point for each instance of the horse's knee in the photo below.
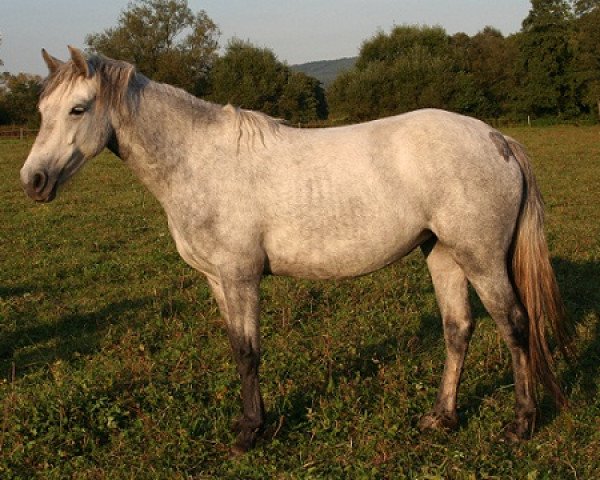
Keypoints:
(457, 333)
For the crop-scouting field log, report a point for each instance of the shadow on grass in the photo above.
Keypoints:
(579, 287)
(578, 283)
(13, 291)
(30, 346)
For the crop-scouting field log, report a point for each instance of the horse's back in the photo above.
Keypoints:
(353, 199)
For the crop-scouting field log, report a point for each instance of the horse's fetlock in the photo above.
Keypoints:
(244, 423)
(439, 420)
(522, 427)
(245, 441)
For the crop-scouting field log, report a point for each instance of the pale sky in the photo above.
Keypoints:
(297, 31)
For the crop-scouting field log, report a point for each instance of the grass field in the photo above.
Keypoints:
(114, 362)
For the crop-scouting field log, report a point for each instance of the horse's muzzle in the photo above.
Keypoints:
(39, 185)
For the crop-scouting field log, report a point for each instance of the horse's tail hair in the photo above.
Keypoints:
(536, 284)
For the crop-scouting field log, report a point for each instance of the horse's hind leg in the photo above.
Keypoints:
(451, 290)
(499, 298)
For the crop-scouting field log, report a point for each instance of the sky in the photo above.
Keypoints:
(298, 31)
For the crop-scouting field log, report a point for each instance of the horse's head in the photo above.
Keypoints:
(75, 126)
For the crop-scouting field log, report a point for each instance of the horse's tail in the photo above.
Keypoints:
(536, 284)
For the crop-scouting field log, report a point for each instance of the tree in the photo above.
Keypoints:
(488, 59)
(587, 56)
(165, 40)
(582, 7)
(411, 67)
(254, 78)
(302, 99)
(18, 103)
(388, 48)
(249, 77)
(547, 86)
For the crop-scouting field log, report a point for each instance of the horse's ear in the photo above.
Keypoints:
(51, 62)
(80, 61)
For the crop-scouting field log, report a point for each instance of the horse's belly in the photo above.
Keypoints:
(338, 257)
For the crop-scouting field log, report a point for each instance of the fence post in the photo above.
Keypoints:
(20, 134)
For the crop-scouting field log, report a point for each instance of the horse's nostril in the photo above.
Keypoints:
(39, 182)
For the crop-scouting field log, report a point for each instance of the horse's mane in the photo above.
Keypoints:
(253, 128)
(120, 87)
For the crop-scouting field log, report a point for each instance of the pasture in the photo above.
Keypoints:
(114, 362)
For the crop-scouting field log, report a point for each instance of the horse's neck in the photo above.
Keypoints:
(163, 134)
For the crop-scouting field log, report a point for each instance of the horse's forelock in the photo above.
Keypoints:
(66, 73)
(114, 78)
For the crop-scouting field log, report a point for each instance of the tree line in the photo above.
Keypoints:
(550, 68)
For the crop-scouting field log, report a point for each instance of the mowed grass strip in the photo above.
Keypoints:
(114, 362)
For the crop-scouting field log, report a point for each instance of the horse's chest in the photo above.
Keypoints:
(200, 259)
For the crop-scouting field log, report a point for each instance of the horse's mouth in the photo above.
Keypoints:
(42, 186)
(51, 194)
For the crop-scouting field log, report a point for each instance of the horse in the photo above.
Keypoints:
(246, 196)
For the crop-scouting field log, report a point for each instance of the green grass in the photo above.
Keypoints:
(114, 362)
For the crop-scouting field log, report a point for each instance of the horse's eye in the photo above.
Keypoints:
(77, 111)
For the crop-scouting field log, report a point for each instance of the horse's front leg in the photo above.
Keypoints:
(239, 305)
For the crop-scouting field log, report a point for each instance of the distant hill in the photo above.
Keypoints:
(325, 70)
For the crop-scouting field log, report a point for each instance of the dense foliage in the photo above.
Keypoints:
(18, 99)
(407, 69)
(165, 40)
(550, 69)
(253, 78)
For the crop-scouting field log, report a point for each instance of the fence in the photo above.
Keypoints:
(17, 133)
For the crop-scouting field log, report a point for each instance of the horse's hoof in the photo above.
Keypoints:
(236, 451)
(438, 421)
(517, 431)
(521, 428)
(511, 437)
(247, 435)
(246, 440)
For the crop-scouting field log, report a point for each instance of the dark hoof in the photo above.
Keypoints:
(518, 431)
(521, 428)
(236, 452)
(439, 421)
(247, 434)
(246, 440)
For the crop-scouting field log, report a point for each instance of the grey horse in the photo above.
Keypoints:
(247, 196)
